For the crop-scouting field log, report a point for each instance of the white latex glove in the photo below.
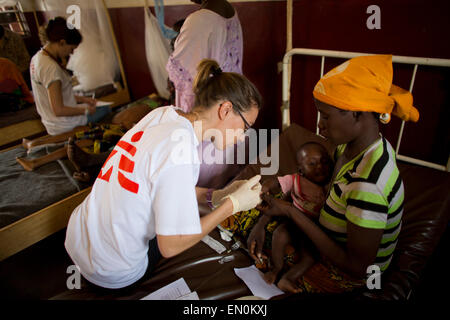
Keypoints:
(247, 196)
(219, 195)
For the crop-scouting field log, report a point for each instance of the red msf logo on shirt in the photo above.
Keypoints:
(125, 164)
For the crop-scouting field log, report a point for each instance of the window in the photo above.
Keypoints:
(12, 18)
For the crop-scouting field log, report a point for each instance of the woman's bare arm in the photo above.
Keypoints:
(170, 246)
(201, 194)
(87, 100)
(57, 103)
(354, 257)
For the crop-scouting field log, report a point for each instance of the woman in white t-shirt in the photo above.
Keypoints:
(60, 109)
(144, 203)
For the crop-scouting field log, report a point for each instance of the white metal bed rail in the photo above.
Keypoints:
(416, 61)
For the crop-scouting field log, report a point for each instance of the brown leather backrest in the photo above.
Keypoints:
(425, 217)
(289, 141)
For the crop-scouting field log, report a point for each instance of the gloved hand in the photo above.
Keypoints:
(247, 196)
(219, 195)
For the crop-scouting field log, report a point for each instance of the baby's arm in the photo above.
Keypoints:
(320, 202)
(271, 185)
(287, 197)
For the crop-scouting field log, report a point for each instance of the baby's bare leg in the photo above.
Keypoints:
(280, 239)
(27, 144)
(288, 282)
(31, 164)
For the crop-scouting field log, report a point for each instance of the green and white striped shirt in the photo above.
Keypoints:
(367, 191)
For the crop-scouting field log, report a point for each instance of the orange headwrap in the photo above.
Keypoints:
(365, 84)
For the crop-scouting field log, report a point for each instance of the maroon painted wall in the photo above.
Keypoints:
(408, 27)
(263, 41)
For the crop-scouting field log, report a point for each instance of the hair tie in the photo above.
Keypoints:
(217, 71)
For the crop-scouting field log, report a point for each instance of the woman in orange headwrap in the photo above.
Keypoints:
(361, 219)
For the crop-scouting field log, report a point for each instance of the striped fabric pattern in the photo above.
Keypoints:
(368, 191)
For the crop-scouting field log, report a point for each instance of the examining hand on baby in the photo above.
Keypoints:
(244, 194)
(219, 195)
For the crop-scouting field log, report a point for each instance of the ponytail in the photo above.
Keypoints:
(205, 69)
(212, 85)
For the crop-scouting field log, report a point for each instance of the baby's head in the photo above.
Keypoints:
(314, 163)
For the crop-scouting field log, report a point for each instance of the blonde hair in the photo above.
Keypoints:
(212, 85)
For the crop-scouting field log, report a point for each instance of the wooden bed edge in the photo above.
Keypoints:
(14, 133)
(39, 225)
(118, 98)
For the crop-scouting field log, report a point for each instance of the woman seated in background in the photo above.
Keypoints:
(60, 109)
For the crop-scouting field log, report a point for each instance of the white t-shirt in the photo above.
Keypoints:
(44, 71)
(146, 187)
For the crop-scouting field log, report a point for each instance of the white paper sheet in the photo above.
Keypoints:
(214, 244)
(103, 103)
(172, 291)
(254, 280)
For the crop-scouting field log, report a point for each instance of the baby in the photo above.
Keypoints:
(306, 190)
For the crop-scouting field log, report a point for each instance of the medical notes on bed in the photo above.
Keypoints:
(177, 290)
(103, 103)
(254, 280)
(214, 244)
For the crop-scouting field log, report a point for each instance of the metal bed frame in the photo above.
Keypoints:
(416, 61)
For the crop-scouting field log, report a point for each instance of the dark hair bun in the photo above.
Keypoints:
(57, 30)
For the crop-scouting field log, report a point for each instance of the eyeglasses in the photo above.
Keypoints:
(246, 124)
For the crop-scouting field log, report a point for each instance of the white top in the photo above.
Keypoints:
(143, 189)
(44, 71)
